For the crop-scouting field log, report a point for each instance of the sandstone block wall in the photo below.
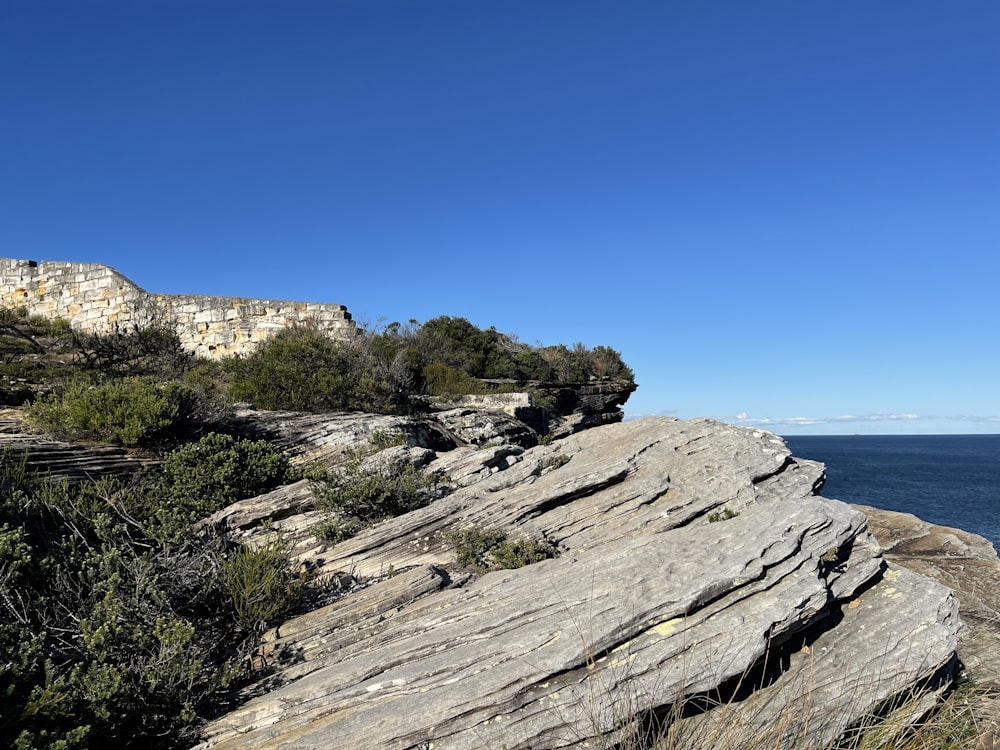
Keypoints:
(96, 298)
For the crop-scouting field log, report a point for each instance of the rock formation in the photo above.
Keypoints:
(968, 564)
(701, 588)
(700, 584)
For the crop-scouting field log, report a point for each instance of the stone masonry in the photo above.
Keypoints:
(97, 299)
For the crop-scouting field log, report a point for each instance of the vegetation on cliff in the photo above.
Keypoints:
(117, 626)
(387, 371)
(138, 387)
(117, 623)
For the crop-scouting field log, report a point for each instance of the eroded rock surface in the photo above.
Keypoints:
(696, 563)
(701, 586)
(968, 564)
(61, 459)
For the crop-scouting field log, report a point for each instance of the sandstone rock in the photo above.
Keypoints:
(579, 406)
(465, 466)
(968, 564)
(60, 459)
(570, 407)
(481, 427)
(332, 438)
(701, 585)
(695, 562)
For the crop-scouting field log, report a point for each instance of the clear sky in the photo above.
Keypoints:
(781, 213)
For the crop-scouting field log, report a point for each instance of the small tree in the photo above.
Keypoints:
(125, 351)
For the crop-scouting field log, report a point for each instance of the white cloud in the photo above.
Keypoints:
(742, 418)
(875, 418)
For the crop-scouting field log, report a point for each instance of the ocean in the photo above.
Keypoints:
(950, 480)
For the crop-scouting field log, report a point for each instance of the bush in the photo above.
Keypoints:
(261, 583)
(130, 412)
(18, 323)
(108, 638)
(382, 439)
(491, 549)
(301, 369)
(203, 477)
(359, 497)
(447, 382)
(455, 345)
(32, 351)
(132, 351)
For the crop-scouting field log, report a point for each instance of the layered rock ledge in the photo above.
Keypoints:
(701, 585)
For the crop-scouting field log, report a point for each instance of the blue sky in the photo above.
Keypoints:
(781, 213)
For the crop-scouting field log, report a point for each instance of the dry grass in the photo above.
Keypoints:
(920, 720)
(621, 716)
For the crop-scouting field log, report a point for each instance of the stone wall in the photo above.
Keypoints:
(95, 298)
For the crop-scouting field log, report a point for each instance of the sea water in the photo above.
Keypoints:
(950, 480)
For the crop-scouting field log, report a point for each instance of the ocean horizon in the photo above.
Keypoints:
(949, 480)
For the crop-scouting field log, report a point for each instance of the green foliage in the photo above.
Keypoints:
(386, 371)
(450, 345)
(830, 555)
(18, 323)
(33, 350)
(261, 583)
(358, 496)
(491, 549)
(130, 412)
(382, 439)
(554, 462)
(448, 382)
(301, 369)
(724, 515)
(200, 478)
(579, 364)
(457, 343)
(107, 637)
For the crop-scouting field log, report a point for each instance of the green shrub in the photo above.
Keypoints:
(724, 515)
(261, 583)
(554, 462)
(130, 412)
(491, 549)
(382, 439)
(301, 369)
(17, 322)
(457, 344)
(359, 496)
(34, 353)
(107, 637)
(201, 478)
(133, 351)
(447, 382)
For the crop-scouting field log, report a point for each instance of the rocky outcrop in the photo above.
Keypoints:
(559, 409)
(701, 586)
(968, 564)
(60, 459)
(582, 405)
